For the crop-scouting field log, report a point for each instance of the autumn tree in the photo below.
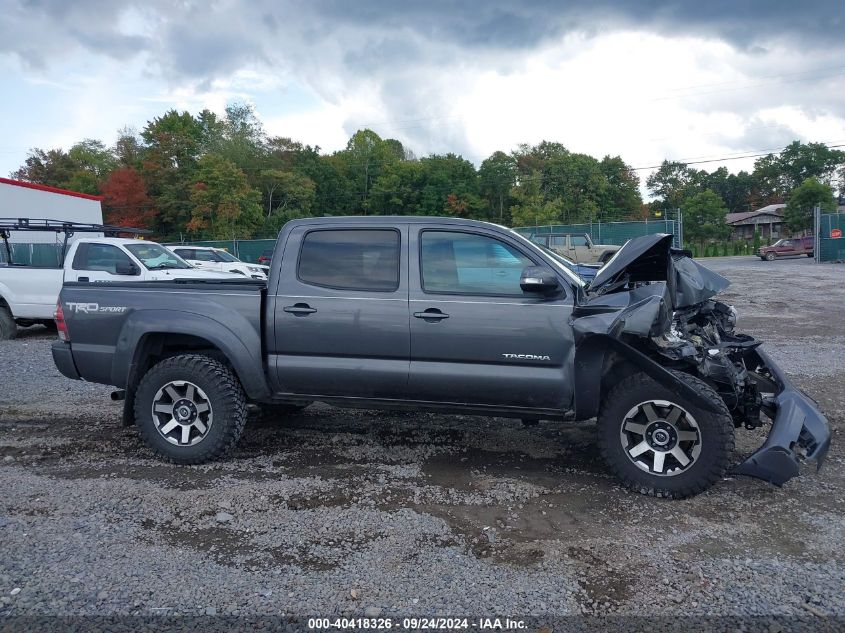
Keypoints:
(125, 199)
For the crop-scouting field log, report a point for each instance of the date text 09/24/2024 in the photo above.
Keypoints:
(417, 624)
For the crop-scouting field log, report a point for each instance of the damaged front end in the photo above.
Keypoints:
(658, 301)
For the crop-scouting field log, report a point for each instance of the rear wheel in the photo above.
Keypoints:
(661, 444)
(770, 257)
(8, 327)
(190, 409)
(809, 254)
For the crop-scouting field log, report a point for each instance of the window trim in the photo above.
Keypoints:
(521, 295)
(342, 288)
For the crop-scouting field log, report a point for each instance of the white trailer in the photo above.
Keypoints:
(20, 199)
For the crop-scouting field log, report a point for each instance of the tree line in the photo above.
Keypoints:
(217, 177)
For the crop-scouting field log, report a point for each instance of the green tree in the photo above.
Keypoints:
(224, 205)
(530, 207)
(621, 197)
(289, 194)
(397, 191)
(671, 183)
(497, 177)
(802, 200)
(449, 186)
(173, 144)
(93, 162)
(704, 218)
(53, 168)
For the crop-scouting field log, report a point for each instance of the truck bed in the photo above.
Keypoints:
(107, 324)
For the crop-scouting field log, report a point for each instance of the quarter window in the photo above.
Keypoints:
(578, 240)
(466, 263)
(351, 259)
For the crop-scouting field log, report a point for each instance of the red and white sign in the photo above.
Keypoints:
(836, 233)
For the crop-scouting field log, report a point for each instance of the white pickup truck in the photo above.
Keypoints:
(28, 294)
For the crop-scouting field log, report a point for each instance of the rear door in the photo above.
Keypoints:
(476, 338)
(207, 260)
(341, 312)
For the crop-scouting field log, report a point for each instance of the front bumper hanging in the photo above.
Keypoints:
(799, 432)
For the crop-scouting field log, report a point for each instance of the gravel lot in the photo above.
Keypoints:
(334, 512)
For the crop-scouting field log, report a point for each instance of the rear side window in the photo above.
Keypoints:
(185, 253)
(351, 259)
(578, 240)
(206, 256)
(102, 257)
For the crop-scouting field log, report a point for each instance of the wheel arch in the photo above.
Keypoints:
(150, 336)
(601, 361)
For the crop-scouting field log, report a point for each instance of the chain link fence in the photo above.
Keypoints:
(612, 232)
(830, 243)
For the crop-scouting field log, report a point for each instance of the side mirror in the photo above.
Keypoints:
(538, 279)
(126, 268)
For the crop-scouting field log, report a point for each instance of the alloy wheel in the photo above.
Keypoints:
(661, 438)
(182, 413)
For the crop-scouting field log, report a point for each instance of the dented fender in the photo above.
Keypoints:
(591, 352)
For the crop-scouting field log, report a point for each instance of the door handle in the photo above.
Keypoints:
(82, 279)
(431, 314)
(299, 309)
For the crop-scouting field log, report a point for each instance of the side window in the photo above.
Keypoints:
(558, 241)
(466, 263)
(102, 257)
(205, 256)
(578, 240)
(185, 253)
(351, 259)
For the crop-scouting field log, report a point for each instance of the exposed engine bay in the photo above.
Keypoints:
(660, 302)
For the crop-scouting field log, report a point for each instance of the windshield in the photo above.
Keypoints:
(156, 257)
(226, 257)
(554, 257)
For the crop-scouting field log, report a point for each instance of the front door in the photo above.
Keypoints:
(476, 338)
(102, 262)
(340, 313)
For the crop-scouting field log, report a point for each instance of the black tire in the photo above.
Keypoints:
(277, 411)
(8, 327)
(224, 395)
(605, 257)
(716, 437)
(770, 257)
(809, 254)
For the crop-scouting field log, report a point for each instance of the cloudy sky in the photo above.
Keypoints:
(646, 79)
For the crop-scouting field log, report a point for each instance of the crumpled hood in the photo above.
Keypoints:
(651, 258)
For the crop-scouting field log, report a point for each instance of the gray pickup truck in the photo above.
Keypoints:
(455, 316)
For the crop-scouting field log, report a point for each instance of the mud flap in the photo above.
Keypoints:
(799, 432)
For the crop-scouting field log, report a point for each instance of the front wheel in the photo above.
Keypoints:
(661, 444)
(770, 257)
(190, 409)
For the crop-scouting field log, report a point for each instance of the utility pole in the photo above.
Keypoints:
(817, 231)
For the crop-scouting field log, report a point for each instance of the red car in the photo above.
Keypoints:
(265, 256)
(788, 248)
